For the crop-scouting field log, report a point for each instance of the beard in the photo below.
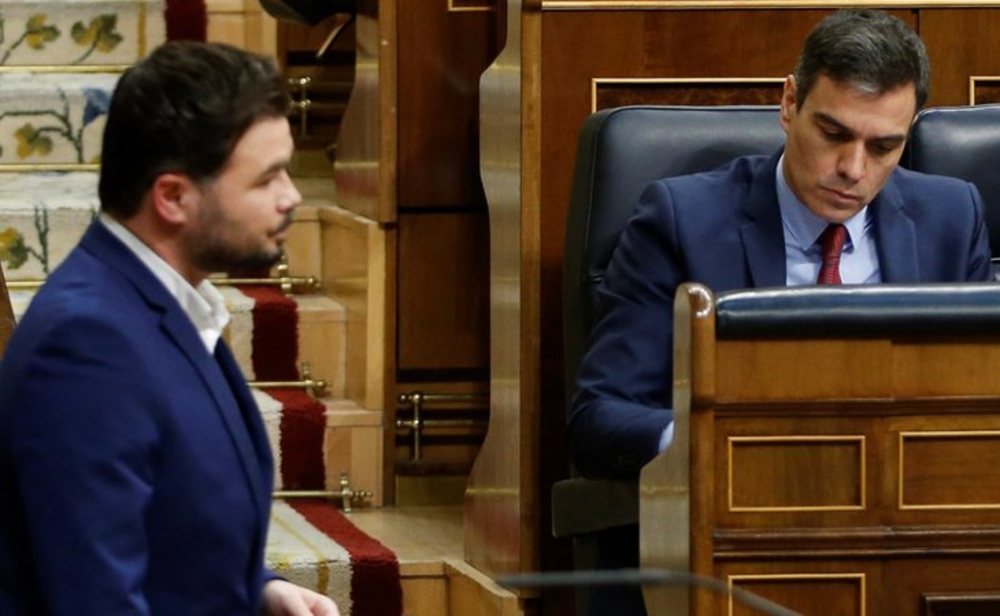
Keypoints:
(220, 245)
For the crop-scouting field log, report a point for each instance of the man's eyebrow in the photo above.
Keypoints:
(274, 168)
(826, 118)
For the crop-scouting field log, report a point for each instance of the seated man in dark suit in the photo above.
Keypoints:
(831, 207)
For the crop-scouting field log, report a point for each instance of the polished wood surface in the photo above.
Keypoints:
(355, 270)
(365, 167)
(501, 525)
(436, 581)
(243, 24)
(848, 476)
(443, 295)
(961, 44)
(443, 54)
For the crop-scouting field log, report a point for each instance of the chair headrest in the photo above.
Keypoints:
(962, 142)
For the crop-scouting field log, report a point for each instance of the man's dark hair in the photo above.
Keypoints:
(182, 109)
(868, 50)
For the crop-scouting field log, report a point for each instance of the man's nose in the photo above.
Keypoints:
(852, 161)
(289, 197)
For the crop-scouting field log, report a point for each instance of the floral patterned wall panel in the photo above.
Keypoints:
(78, 32)
(53, 119)
(42, 216)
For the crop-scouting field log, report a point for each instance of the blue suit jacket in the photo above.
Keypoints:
(724, 229)
(135, 473)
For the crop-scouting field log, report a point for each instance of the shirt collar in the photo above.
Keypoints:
(203, 304)
(806, 227)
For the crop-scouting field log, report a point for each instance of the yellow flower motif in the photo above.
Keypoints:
(100, 34)
(37, 33)
(12, 248)
(31, 140)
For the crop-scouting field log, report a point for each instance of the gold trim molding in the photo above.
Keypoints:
(953, 434)
(975, 79)
(469, 9)
(596, 82)
(663, 5)
(779, 577)
(65, 68)
(817, 438)
(29, 167)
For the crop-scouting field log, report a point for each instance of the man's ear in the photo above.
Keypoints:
(788, 102)
(175, 197)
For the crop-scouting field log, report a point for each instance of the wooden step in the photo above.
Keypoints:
(320, 336)
(428, 541)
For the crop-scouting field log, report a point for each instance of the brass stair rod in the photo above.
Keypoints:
(302, 103)
(346, 493)
(310, 282)
(409, 424)
(421, 397)
(416, 400)
(315, 387)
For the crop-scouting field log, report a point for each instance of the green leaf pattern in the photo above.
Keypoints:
(31, 140)
(13, 250)
(100, 35)
(37, 32)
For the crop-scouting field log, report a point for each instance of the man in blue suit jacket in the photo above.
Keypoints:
(135, 474)
(758, 222)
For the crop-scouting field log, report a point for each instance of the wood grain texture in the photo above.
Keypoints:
(443, 54)
(365, 168)
(443, 297)
(842, 499)
(501, 524)
(961, 43)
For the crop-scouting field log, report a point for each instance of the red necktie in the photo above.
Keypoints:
(833, 244)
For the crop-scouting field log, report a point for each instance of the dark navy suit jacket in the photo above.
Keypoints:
(723, 229)
(135, 473)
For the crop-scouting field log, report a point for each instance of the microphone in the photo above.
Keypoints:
(641, 577)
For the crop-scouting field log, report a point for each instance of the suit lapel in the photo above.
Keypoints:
(761, 232)
(178, 327)
(895, 237)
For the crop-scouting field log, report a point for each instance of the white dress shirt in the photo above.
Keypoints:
(203, 304)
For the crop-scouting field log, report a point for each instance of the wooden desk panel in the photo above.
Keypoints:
(832, 475)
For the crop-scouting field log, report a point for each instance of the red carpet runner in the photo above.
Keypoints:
(303, 419)
(186, 20)
(375, 584)
(375, 589)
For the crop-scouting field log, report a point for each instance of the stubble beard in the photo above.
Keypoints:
(215, 247)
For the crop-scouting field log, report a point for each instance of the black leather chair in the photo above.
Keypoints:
(962, 142)
(620, 151)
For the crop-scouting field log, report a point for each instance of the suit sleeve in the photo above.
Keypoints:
(84, 441)
(980, 266)
(624, 385)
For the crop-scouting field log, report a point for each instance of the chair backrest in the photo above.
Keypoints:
(622, 150)
(962, 142)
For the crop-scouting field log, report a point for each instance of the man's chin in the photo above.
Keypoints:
(251, 265)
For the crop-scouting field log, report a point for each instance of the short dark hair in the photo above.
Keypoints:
(869, 50)
(182, 109)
